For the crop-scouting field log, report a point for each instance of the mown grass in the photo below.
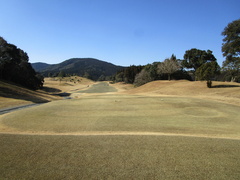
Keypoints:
(130, 113)
(118, 157)
(102, 87)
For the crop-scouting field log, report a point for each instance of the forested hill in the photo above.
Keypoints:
(88, 67)
(39, 66)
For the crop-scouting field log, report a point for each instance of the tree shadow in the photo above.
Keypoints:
(9, 93)
(50, 90)
(225, 86)
(55, 92)
(64, 94)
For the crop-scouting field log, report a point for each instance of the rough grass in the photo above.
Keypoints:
(118, 157)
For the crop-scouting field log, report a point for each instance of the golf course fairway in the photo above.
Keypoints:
(110, 135)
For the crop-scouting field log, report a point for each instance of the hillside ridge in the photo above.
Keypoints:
(86, 67)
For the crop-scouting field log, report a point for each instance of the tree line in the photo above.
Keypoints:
(14, 66)
(196, 64)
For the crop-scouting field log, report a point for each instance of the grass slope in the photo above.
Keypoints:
(228, 92)
(67, 84)
(15, 95)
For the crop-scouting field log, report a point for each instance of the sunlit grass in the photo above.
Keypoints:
(130, 113)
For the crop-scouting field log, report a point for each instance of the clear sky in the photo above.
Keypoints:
(123, 32)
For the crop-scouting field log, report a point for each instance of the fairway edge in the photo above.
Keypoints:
(118, 133)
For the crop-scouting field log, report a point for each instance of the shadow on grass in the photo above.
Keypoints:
(225, 86)
(55, 92)
(15, 94)
(51, 90)
(63, 94)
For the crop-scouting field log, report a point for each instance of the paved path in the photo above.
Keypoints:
(7, 110)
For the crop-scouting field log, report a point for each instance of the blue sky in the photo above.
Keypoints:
(123, 32)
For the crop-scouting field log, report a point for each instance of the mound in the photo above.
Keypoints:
(67, 84)
(224, 91)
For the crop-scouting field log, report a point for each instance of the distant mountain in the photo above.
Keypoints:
(39, 66)
(87, 67)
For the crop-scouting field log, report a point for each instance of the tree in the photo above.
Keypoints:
(131, 72)
(102, 78)
(207, 71)
(194, 58)
(169, 66)
(152, 69)
(119, 77)
(62, 74)
(231, 48)
(142, 78)
(14, 66)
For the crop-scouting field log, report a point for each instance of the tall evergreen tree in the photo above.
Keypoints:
(194, 58)
(231, 48)
(207, 72)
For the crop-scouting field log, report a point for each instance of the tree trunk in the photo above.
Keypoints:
(233, 78)
(209, 83)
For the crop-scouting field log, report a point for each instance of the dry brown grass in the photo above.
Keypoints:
(162, 130)
(14, 95)
(227, 92)
(118, 157)
(68, 84)
(122, 86)
(129, 114)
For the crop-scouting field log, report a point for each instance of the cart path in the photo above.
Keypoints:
(15, 108)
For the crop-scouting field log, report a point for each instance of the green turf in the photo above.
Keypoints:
(130, 113)
(118, 157)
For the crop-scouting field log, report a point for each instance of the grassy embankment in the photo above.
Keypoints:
(13, 95)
